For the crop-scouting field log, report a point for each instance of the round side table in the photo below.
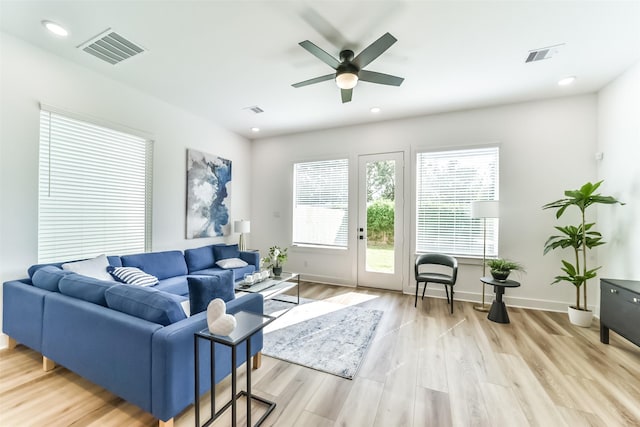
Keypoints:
(498, 312)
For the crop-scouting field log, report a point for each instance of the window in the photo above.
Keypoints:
(94, 190)
(320, 203)
(447, 183)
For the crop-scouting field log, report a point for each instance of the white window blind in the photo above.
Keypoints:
(447, 183)
(320, 203)
(94, 190)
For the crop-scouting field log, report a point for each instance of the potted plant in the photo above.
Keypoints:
(501, 268)
(579, 238)
(275, 259)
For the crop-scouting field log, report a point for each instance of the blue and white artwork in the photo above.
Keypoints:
(208, 194)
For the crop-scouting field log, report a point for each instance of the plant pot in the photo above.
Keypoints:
(580, 318)
(500, 276)
(277, 271)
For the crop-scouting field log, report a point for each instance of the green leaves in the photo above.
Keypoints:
(579, 238)
(582, 198)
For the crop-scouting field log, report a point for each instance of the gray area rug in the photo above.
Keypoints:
(322, 335)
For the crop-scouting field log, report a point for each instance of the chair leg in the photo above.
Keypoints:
(452, 300)
(416, 303)
(424, 289)
(447, 291)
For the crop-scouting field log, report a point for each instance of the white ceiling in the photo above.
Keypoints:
(214, 58)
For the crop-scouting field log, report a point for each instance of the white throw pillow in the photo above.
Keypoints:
(231, 263)
(95, 267)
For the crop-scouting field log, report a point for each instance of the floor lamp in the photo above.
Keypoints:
(242, 226)
(484, 209)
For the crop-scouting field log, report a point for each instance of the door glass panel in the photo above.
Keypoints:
(380, 216)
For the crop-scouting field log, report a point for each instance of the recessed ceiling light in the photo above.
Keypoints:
(255, 129)
(56, 29)
(566, 81)
(375, 109)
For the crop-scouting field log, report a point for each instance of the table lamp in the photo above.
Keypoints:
(243, 227)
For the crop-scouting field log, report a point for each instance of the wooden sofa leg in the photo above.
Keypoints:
(168, 423)
(257, 360)
(12, 343)
(47, 364)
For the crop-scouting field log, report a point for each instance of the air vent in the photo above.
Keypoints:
(543, 53)
(254, 109)
(111, 47)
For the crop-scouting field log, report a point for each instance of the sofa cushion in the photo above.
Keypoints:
(204, 289)
(159, 264)
(94, 267)
(226, 251)
(132, 276)
(114, 260)
(199, 258)
(236, 273)
(174, 285)
(48, 277)
(146, 303)
(85, 288)
(231, 263)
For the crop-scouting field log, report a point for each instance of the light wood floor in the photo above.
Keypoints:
(425, 367)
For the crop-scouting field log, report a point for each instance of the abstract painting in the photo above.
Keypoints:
(208, 194)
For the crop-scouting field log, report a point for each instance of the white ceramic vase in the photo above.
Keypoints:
(580, 318)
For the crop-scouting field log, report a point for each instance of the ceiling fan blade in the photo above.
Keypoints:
(374, 50)
(320, 54)
(313, 81)
(346, 95)
(380, 78)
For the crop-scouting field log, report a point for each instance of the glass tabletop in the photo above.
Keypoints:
(266, 284)
(247, 324)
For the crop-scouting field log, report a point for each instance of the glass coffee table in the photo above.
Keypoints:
(273, 286)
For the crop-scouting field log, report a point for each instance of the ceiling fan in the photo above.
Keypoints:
(349, 70)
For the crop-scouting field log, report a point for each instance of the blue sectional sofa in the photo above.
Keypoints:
(135, 342)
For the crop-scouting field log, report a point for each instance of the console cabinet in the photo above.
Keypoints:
(620, 309)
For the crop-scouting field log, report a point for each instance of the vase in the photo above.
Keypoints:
(580, 318)
(500, 276)
(277, 271)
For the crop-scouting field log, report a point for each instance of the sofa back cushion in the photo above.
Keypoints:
(204, 289)
(114, 261)
(159, 264)
(48, 277)
(226, 251)
(146, 303)
(199, 258)
(85, 288)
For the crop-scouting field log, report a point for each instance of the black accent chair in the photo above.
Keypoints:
(445, 279)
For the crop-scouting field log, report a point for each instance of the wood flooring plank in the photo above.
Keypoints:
(432, 408)
(357, 409)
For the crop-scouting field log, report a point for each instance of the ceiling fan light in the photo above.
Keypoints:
(346, 80)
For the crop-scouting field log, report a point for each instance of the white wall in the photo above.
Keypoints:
(546, 147)
(30, 76)
(619, 141)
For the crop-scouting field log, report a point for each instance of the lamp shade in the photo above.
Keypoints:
(346, 80)
(485, 209)
(242, 226)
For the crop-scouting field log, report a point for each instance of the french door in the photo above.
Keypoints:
(380, 220)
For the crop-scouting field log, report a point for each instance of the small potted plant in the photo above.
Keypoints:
(275, 259)
(501, 268)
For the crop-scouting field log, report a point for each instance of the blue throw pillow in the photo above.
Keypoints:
(48, 277)
(85, 288)
(226, 251)
(204, 289)
(146, 303)
(199, 258)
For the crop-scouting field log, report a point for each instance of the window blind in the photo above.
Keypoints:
(320, 206)
(447, 183)
(94, 190)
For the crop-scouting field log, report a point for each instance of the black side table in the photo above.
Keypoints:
(247, 325)
(498, 312)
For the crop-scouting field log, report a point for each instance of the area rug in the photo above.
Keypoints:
(322, 335)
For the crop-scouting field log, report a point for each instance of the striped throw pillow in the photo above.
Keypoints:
(132, 276)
